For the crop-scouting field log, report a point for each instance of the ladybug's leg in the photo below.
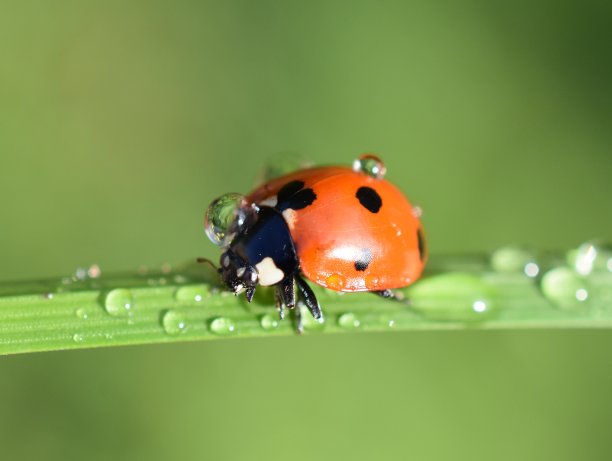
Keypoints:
(299, 322)
(250, 292)
(307, 296)
(286, 291)
(279, 303)
(389, 294)
(384, 293)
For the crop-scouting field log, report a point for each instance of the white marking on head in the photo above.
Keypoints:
(269, 274)
(270, 201)
(290, 217)
(240, 271)
(253, 276)
(239, 288)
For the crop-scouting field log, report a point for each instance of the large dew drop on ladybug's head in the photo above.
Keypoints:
(226, 216)
(371, 165)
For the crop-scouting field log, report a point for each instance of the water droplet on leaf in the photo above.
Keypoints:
(514, 259)
(269, 322)
(592, 257)
(565, 288)
(174, 322)
(222, 326)
(453, 296)
(192, 293)
(349, 321)
(119, 302)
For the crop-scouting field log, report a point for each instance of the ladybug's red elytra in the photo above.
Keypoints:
(346, 229)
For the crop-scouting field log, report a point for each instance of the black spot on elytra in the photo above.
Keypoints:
(292, 195)
(289, 189)
(369, 199)
(364, 260)
(421, 243)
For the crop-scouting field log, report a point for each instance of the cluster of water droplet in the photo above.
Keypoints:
(567, 286)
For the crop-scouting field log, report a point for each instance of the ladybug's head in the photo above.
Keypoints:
(237, 274)
(256, 243)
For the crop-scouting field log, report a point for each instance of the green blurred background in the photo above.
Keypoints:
(121, 120)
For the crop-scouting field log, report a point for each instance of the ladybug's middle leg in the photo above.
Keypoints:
(285, 292)
(307, 296)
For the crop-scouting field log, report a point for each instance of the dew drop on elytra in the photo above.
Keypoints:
(370, 165)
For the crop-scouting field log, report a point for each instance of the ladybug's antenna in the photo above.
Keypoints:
(207, 261)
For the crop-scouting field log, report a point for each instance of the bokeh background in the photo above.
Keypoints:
(121, 120)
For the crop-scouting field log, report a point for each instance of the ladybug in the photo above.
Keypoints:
(346, 229)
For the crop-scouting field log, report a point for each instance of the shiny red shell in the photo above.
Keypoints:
(341, 244)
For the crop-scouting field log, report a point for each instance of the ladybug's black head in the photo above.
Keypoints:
(237, 274)
(257, 244)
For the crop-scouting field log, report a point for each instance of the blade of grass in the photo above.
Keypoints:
(187, 304)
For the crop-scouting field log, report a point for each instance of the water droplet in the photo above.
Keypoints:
(371, 165)
(479, 306)
(222, 326)
(592, 257)
(372, 282)
(565, 288)
(225, 216)
(269, 322)
(180, 279)
(82, 313)
(453, 296)
(348, 321)
(513, 259)
(80, 273)
(192, 293)
(48, 295)
(335, 282)
(309, 322)
(118, 302)
(94, 271)
(531, 269)
(174, 322)
(78, 338)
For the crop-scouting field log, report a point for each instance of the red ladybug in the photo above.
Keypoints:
(344, 229)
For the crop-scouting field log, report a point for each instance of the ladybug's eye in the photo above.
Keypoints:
(225, 216)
